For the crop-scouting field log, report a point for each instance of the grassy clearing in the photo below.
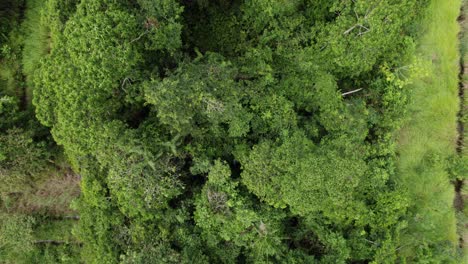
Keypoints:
(58, 230)
(36, 42)
(65, 249)
(428, 139)
(10, 66)
(22, 50)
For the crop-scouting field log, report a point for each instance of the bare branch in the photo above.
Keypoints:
(127, 79)
(350, 29)
(363, 32)
(351, 92)
(141, 35)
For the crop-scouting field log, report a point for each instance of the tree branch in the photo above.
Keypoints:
(351, 92)
(350, 29)
(139, 37)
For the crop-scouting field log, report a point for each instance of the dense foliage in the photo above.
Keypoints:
(221, 131)
(35, 185)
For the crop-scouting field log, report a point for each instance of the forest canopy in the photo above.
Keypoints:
(217, 131)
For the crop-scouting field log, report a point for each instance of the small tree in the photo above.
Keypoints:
(16, 236)
(21, 159)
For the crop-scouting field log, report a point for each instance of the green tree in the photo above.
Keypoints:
(16, 236)
(21, 160)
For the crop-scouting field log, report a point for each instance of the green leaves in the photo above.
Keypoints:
(21, 160)
(16, 236)
(224, 131)
(203, 91)
(309, 179)
(161, 29)
(8, 111)
(363, 33)
(226, 215)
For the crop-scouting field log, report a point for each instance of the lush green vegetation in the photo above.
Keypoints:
(428, 140)
(228, 131)
(36, 184)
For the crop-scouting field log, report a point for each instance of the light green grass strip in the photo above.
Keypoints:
(429, 137)
(35, 42)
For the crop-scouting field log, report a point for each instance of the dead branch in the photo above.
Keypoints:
(350, 29)
(351, 92)
(141, 35)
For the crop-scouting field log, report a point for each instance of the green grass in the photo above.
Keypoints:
(27, 43)
(36, 42)
(429, 136)
(10, 67)
(9, 19)
(59, 230)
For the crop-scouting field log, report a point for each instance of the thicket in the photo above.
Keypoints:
(34, 194)
(229, 131)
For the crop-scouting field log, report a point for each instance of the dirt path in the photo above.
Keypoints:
(460, 199)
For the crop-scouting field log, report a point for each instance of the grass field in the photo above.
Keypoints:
(35, 43)
(23, 49)
(429, 137)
